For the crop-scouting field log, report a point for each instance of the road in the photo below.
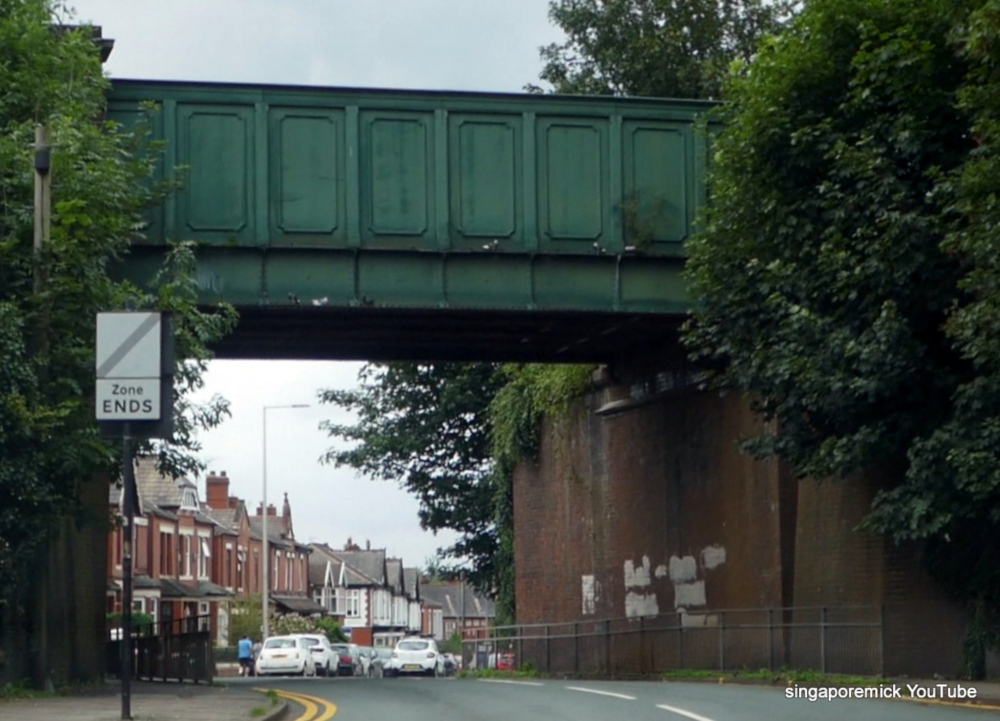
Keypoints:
(507, 700)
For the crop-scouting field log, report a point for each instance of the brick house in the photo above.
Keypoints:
(462, 609)
(172, 553)
(190, 559)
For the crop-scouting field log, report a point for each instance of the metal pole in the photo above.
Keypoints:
(264, 567)
(722, 640)
(881, 641)
(822, 639)
(770, 639)
(43, 199)
(129, 497)
(267, 578)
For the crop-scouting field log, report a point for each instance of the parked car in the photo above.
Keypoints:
(416, 655)
(285, 655)
(380, 662)
(324, 657)
(368, 665)
(348, 660)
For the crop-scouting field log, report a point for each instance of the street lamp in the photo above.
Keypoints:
(264, 569)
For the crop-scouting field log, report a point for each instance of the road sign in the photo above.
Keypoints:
(128, 398)
(128, 345)
(134, 358)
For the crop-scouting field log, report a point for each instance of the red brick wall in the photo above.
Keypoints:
(664, 480)
(667, 480)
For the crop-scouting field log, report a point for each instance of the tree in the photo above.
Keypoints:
(664, 48)
(426, 426)
(844, 237)
(51, 456)
(333, 630)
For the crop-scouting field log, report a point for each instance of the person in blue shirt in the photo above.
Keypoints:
(245, 654)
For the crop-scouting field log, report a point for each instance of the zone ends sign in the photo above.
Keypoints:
(134, 357)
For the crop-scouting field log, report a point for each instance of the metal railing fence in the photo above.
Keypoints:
(177, 650)
(829, 639)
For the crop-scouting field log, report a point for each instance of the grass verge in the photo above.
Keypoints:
(494, 673)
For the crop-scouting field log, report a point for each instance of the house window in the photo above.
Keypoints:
(185, 569)
(241, 560)
(166, 554)
(277, 560)
(353, 609)
(204, 554)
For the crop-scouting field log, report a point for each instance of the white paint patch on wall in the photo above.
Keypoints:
(589, 595)
(689, 594)
(661, 571)
(638, 605)
(683, 570)
(637, 577)
(713, 556)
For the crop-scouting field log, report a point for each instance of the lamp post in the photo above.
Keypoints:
(264, 569)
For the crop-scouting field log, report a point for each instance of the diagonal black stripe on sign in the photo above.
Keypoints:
(128, 344)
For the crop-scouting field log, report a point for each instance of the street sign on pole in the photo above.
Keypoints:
(134, 368)
(135, 364)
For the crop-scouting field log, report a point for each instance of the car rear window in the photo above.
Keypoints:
(280, 643)
(312, 641)
(341, 649)
(413, 646)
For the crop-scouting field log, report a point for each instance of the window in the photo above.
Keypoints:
(166, 553)
(277, 560)
(185, 569)
(205, 553)
(353, 609)
(241, 560)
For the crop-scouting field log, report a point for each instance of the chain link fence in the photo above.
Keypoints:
(841, 639)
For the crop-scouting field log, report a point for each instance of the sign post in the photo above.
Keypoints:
(135, 362)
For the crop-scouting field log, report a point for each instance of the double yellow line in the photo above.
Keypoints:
(312, 706)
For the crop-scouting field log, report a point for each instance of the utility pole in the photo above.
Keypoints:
(43, 200)
(42, 228)
(129, 502)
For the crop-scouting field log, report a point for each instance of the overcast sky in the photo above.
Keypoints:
(488, 45)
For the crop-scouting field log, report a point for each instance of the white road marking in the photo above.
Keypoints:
(682, 712)
(516, 683)
(600, 693)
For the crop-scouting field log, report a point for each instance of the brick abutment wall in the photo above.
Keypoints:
(654, 511)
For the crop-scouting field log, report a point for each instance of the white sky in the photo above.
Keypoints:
(488, 45)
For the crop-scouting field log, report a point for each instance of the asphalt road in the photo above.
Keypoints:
(419, 699)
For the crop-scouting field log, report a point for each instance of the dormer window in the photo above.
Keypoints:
(189, 501)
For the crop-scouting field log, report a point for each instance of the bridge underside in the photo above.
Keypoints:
(386, 334)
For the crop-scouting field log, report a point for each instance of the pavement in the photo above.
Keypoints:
(149, 702)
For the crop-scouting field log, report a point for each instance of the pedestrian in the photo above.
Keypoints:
(245, 654)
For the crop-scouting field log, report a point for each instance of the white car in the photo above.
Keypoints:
(416, 655)
(324, 657)
(286, 655)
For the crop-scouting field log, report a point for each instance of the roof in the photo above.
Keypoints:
(227, 518)
(155, 487)
(172, 588)
(297, 604)
(411, 581)
(369, 564)
(273, 531)
(449, 596)
(319, 557)
(394, 575)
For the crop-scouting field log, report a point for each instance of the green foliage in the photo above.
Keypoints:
(846, 275)
(246, 618)
(452, 645)
(530, 392)
(664, 48)
(102, 181)
(426, 426)
(333, 630)
(291, 623)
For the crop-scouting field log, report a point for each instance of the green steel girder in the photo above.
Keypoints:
(558, 222)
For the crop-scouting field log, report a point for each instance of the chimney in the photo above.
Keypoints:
(368, 545)
(272, 512)
(286, 509)
(217, 490)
